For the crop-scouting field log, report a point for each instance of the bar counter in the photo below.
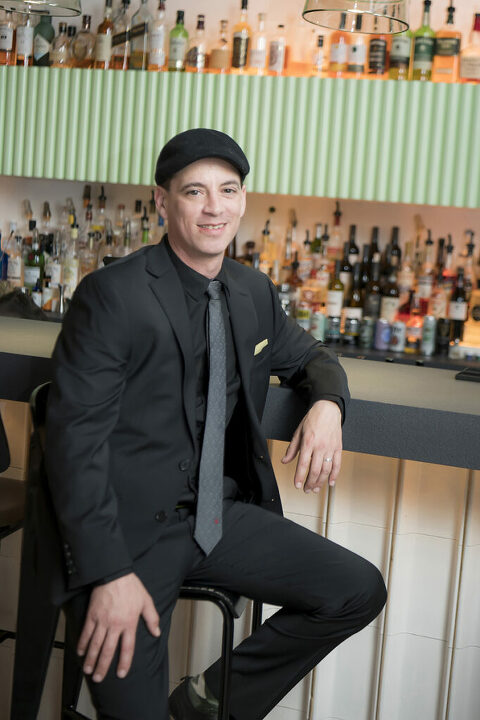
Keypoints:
(398, 411)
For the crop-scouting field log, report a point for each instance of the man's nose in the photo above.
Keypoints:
(212, 204)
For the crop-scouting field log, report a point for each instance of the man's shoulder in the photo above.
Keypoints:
(246, 274)
(120, 269)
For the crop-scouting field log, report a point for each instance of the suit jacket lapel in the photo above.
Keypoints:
(168, 290)
(243, 318)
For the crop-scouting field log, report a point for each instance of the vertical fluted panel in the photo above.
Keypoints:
(361, 139)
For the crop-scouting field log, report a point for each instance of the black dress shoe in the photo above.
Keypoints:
(181, 707)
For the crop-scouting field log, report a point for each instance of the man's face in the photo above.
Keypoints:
(203, 207)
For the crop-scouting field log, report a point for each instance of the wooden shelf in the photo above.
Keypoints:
(359, 139)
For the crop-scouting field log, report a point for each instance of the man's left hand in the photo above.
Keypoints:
(318, 443)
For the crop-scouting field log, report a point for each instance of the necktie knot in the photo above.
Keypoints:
(214, 289)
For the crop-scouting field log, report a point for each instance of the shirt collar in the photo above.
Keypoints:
(192, 281)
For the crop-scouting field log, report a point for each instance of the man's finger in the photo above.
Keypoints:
(94, 647)
(108, 650)
(127, 648)
(87, 632)
(315, 471)
(151, 617)
(292, 449)
(303, 465)
(336, 465)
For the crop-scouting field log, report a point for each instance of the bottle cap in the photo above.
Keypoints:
(32, 224)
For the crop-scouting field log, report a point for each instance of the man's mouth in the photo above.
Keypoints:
(219, 226)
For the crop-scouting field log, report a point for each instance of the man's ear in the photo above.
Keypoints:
(160, 196)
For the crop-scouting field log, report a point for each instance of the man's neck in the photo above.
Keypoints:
(208, 267)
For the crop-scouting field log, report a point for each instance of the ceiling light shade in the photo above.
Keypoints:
(383, 17)
(62, 8)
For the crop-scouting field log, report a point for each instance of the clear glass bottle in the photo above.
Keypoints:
(446, 60)
(157, 40)
(14, 250)
(60, 56)
(423, 47)
(120, 40)
(83, 45)
(8, 38)
(339, 42)
(103, 40)
(470, 58)
(277, 52)
(139, 37)
(196, 57)
(318, 59)
(258, 49)
(242, 35)
(221, 53)
(178, 43)
(25, 41)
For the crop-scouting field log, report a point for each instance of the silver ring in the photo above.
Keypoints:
(327, 459)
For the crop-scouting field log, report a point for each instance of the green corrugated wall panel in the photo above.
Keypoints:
(361, 139)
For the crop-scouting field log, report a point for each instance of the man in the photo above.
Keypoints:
(161, 375)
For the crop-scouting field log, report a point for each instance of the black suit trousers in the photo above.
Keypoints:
(326, 593)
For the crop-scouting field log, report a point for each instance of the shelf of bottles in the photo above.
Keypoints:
(360, 139)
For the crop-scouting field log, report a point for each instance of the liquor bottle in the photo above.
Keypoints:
(427, 275)
(373, 293)
(139, 37)
(178, 43)
(357, 51)
(34, 262)
(400, 56)
(458, 309)
(43, 36)
(305, 258)
(446, 60)
(406, 276)
(59, 54)
(106, 248)
(440, 255)
(470, 280)
(125, 248)
(395, 253)
(424, 47)
(374, 253)
(353, 311)
(103, 41)
(318, 59)
(470, 58)
(365, 267)
(220, 54)
(414, 326)
(145, 227)
(339, 42)
(70, 261)
(317, 240)
(346, 271)
(390, 301)
(337, 238)
(353, 251)
(378, 53)
(53, 265)
(14, 251)
(83, 45)
(120, 39)
(71, 35)
(335, 296)
(8, 39)
(321, 273)
(438, 304)
(258, 50)
(241, 40)
(449, 274)
(100, 215)
(196, 57)
(157, 40)
(88, 256)
(277, 52)
(265, 259)
(25, 42)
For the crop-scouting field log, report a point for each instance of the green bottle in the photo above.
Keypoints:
(178, 44)
(34, 262)
(43, 37)
(424, 47)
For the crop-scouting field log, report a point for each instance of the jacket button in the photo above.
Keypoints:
(161, 516)
(184, 464)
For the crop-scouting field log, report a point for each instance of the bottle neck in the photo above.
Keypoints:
(426, 17)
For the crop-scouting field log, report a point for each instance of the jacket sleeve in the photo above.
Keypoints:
(305, 364)
(90, 360)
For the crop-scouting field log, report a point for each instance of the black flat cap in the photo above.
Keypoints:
(197, 144)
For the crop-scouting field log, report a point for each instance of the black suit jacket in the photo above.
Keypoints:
(121, 416)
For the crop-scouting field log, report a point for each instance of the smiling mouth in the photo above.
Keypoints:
(212, 227)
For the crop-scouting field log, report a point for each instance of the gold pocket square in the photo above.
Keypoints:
(259, 346)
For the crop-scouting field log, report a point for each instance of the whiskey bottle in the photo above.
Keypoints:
(277, 52)
(470, 59)
(103, 41)
(258, 50)
(220, 54)
(378, 54)
(339, 41)
(446, 60)
(43, 37)
(139, 38)
(458, 309)
(424, 47)
(241, 41)
(374, 252)
(400, 56)
(196, 57)
(337, 237)
(25, 42)
(121, 38)
(83, 45)
(157, 40)
(178, 42)
(8, 39)
(59, 54)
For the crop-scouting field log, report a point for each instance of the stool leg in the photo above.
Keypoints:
(226, 665)
(72, 679)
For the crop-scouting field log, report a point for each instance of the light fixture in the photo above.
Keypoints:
(382, 17)
(62, 8)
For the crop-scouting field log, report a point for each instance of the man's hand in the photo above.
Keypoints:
(112, 616)
(318, 441)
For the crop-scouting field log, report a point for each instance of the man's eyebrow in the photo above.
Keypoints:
(189, 185)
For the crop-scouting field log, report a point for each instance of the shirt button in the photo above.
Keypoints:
(161, 516)
(184, 464)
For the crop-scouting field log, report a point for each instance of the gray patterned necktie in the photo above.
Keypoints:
(208, 524)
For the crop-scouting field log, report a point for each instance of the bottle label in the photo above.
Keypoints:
(372, 305)
(157, 47)
(276, 56)
(334, 303)
(353, 313)
(457, 310)
(103, 48)
(400, 52)
(6, 38)
(25, 41)
(423, 54)
(438, 305)
(470, 68)
(389, 308)
(323, 278)
(196, 58)
(31, 275)
(338, 53)
(357, 57)
(447, 47)
(258, 58)
(318, 61)
(377, 58)
(41, 47)
(178, 48)
(220, 59)
(346, 278)
(55, 273)
(240, 50)
(14, 269)
(425, 284)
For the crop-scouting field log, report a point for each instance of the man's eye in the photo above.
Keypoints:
(230, 191)
(193, 192)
